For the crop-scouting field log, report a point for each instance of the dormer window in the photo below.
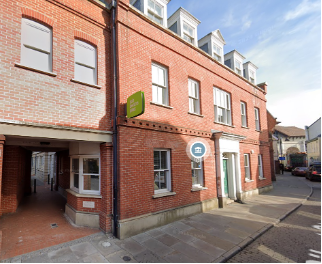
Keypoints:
(185, 25)
(217, 52)
(188, 33)
(155, 11)
(238, 67)
(252, 77)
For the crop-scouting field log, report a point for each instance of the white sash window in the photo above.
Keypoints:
(85, 62)
(36, 45)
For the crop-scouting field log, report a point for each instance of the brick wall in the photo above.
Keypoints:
(30, 96)
(77, 203)
(141, 42)
(15, 178)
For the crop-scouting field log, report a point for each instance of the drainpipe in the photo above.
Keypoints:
(216, 137)
(115, 171)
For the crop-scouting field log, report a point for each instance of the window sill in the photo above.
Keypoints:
(88, 84)
(190, 113)
(83, 195)
(197, 189)
(159, 195)
(165, 106)
(223, 124)
(36, 70)
(260, 178)
(258, 131)
(245, 127)
(249, 180)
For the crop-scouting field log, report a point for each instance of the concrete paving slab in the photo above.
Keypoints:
(94, 258)
(178, 257)
(215, 241)
(157, 247)
(83, 250)
(38, 259)
(121, 256)
(207, 248)
(155, 232)
(225, 235)
(62, 255)
(180, 226)
(192, 253)
(132, 246)
(181, 235)
(237, 232)
(16, 260)
(140, 238)
(197, 225)
(168, 240)
(148, 256)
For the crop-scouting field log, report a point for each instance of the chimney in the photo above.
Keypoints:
(263, 86)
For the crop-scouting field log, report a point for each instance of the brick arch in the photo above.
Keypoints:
(85, 37)
(292, 150)
(36, 16)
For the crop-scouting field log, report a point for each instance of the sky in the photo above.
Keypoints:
(282, 38)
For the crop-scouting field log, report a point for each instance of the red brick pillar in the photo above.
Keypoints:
(2, 140)
(106, 187)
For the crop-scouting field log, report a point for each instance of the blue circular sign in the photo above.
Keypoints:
(198, 149)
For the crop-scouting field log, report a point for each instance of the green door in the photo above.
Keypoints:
(225, 176)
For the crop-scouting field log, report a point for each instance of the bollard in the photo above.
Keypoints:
(35, 183)
(52, 184)
(48, 179)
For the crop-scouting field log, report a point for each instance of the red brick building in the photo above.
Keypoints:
(58, 97)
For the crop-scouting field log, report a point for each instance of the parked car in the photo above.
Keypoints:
(288, 168)
(299, 171)
(314, 171)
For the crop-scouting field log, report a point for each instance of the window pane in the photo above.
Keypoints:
(155, 76)
(154, 93)
(163, 179)
(196, 106)
(160, 95)
(91, 182)
(161, 76)
(85, 53)
(245, 160)
(36, 35)
(85, 74)
(158, 10)
(75, 165)
(156, 160)
(76, 181)
(164, 162)
(151, 4)
(36, 59)
(91, 166)
(156, 180)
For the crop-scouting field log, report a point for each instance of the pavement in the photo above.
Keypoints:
(214, 236)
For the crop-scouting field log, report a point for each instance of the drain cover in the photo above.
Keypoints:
(126, 258)
(53, 225)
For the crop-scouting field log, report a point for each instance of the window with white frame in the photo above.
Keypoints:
(246, 166)
(238, 67)
(85, 174)
(85, 62)
(159, 84)
(162, 172)
(194, 102)
(188, 33)
(217, 52)
(155, 11)
(260, 167)
(222, 106)
(243, 114)
(257, 123)
(36, 45)
(252, 77)
(197, 173)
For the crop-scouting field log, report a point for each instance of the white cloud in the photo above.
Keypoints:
(304, 8)
(289, 60)
(246, 23)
